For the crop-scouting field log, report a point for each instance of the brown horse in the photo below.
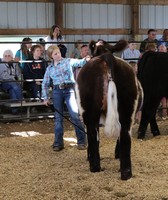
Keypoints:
(108, 90)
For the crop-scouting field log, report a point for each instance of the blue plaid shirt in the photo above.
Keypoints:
(61, 73)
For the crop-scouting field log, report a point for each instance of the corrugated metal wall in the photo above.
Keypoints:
(153, 17)
(97, 16)
(81, 15)
(26, 15)
(76, 15)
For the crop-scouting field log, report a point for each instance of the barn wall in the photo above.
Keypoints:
(83, 20)
(153, 16)
(37, 16)
(24, 15)
(95, 16)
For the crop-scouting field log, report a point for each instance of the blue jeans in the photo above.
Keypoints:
(15, 92)
(14, 89)
(68, 96)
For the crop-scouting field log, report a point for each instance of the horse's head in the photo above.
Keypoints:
(100, 47)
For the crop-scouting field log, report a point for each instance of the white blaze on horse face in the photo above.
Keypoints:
(78, 99)
(112, 124)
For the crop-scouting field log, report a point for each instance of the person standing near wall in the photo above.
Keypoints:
(55, 36)
(164, 39)
(151, 38)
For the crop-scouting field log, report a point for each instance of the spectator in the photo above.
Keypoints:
(10, 72)
(76, 52)
(151, 38)
(164, 39)
(34, 69)
(24, 52)
(164, 101)
(162, 48)
(150, 47)
(131, 52)
(84, 51)
(44, 53)
(60, 73)
(55, 36)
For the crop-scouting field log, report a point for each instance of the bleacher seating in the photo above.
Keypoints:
(29, 108)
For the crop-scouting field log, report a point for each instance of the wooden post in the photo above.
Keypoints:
(59, 13)
(135, 18)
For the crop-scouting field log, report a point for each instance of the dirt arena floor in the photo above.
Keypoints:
(30, 170)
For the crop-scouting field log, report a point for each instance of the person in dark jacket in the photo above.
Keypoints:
(33, 72)
(151, 39)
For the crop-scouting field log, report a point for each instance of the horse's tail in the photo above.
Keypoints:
(112, 124)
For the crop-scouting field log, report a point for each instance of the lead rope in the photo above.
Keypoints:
(56, 110)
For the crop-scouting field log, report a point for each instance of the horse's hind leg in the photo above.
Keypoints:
(154, 127)
(125, 155)
(93, 148)
(149, 108)
(117, 149)
(153, 124)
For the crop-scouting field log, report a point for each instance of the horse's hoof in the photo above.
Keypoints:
(126, 175)
(155, 133)
(117, 156)
(95, 169)
(140, 136)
